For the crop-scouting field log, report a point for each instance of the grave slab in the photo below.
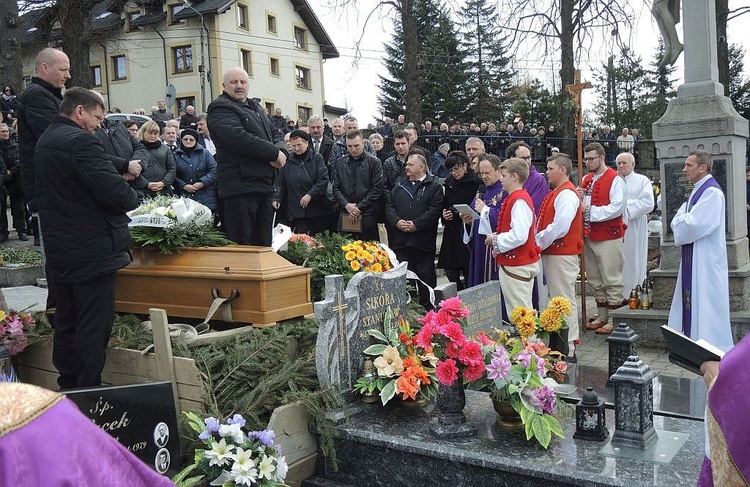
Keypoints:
(484, 303)
(27, 298)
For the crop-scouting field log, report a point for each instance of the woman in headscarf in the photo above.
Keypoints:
(196, 171)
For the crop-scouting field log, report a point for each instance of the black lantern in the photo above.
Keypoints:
(634, 404)
(590, 424)
(622, 344)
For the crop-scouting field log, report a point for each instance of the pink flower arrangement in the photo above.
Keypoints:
(14, 330)
(442, 334)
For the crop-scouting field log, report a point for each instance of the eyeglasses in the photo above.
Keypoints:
(590, 159)
(457, 168)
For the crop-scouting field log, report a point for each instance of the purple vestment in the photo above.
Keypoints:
(537, 187)
(63, 447)
(728, 402)
(482, 266)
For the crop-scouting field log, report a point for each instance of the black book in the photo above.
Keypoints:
(688, 353)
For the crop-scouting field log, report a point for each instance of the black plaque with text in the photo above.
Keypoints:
(142, 417)
(677, 188)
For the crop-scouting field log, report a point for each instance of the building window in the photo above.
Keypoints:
(270, 108)
(275, 69)
(119, 67)
(182, 57)
(271, 23)
(242, 19)
(132, 16)
(96, 75)
(304, 113)
(246, 58)
(300, 38)
(303, 77)
(183, 102)
(174, 10)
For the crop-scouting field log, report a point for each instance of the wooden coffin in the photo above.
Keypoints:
(269, 287)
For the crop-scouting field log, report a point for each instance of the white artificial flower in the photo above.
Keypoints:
(220, 453)
(243, 458)
(244, 474)
(161, 211)
(233, 431)
(281, 470)
(266, 468)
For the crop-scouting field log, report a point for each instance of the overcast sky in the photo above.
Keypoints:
(355, 85)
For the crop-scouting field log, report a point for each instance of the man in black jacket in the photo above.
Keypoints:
(86, 235)
(249, 154)
(39, 104)
(357, 186)
(128, 156)
(412, 213)
(9, 155)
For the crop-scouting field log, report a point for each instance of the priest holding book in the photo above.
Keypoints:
(700, 307)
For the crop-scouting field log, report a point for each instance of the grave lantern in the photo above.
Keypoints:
(634, 404)
(7, 373)
(590, 423)
(622, 344)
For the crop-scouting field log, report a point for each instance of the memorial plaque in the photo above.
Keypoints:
(485, 305)
(347, 315)
(142, 417)
(676, 188)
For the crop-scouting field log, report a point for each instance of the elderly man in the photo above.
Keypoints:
(161, 115)
(339, 148)
(249, 154)
(700, 307)
(320, 143)
(604, 201)
(86, 235)
(473, 147)
(625, 141)
(412, 213)
(640, 202)
(190, 119)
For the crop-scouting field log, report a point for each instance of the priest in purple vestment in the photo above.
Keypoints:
(482, 267)
(536, 185)
(727, 459)
(45, 440)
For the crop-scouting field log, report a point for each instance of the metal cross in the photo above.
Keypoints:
(340, 307)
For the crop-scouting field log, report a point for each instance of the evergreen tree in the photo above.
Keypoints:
(538, 105)
(659, 90)
(622, 86)
(739, 87)
(490, 76)
(441, 71)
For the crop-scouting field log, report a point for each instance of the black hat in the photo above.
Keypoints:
(191, 132)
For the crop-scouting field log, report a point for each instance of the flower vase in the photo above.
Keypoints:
(558, 341)
(451, 421)
(417, 403)
(507, 417)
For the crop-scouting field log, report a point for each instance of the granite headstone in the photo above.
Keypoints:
(347, 315)
(485, 307)
(677, 188)
(142, 417)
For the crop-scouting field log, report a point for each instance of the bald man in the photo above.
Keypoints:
(40, 104)
(249, 154)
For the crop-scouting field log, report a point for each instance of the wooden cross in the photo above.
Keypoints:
(575, 90)
(340, 307)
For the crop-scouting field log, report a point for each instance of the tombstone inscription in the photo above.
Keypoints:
(485, 307)
(345, 317)
(142, 417)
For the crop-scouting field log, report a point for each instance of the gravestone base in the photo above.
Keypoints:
(394, 447)
(451, 425)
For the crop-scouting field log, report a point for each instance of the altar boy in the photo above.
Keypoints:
(514, 246)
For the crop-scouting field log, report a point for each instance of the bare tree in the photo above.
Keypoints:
(574, 27)
(405, 10)
(11, 70)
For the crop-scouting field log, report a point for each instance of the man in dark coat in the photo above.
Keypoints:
(412, 213)
(321, 144)
(249, 154)
(86, 235)
(39, 104)
(128, 156)
(9, 161)
(357, 187)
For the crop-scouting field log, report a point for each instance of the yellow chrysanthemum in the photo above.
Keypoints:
(361, 254)
(561, 306)
(350, 255)
(376, 267)
(550, 320)
(356, 266)
(368, 257)
(520, 314)
(526, 326)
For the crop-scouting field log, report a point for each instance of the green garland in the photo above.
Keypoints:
(168, 240)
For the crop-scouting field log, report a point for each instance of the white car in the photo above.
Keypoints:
(121, 117)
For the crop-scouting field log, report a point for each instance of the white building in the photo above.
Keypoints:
(169, 49)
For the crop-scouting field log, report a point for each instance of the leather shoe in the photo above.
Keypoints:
(22, 237)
